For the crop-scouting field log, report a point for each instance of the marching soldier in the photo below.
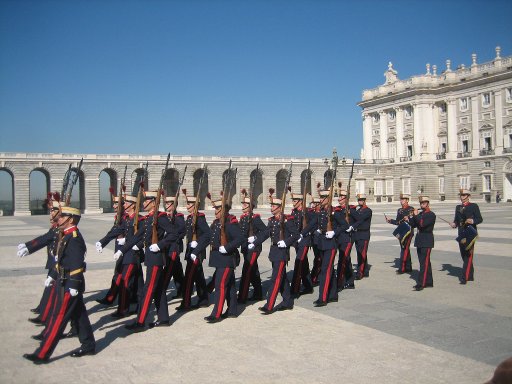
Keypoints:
(317, 259)
(278, 255)
(405, 243)
(48, 240)
(131, 280)
(154, 261)
(68, 275)
(467, 217)
(173, 267)
(326, 242)
(224, 257)
(345, 279)
(361, 236)
(250, 225)
(198, 238)
(424, 220)
(305, 220)
(117, 232)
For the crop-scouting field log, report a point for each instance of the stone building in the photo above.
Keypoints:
(438, 132)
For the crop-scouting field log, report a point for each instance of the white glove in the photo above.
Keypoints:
(22, 252)
(21, 246)
(329, 234)
(193, 257)
(281, 244)
(48, 282)
(350, 229)
(222, 249)
(154, 248)
(300, 238)
(73, 292)
(135, 248)
(99, 248)
(121, 241)
(251, 239)
(318, 231)
(251, 246)
(117, 255)
(193, 244)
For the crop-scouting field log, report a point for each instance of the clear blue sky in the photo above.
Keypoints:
(269, 78)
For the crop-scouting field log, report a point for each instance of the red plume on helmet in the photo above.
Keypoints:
(112, 191)
(56, 196)
(271, 191)
(243, 191)
(184, 190)
(318, 185)
(209, 195)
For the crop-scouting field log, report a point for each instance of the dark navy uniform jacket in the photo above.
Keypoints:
(323, 243)
(129, 255)
(363, 221)
(203, 233)
(273, 232)
(177, 220)
(401, 213)
(70, 267)
(48, 240)
(341, 224)
(425, 222)
(257, 226)
(166, 235)
(117, 231)
(467, 211)
(311, 225)
(234, 237)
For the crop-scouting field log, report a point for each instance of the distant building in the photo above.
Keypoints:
(438, 132)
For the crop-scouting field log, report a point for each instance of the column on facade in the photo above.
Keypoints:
(417, 132)
(21, 182)
(475, 146)
(399, 132)
(367, 137)
(92, 194)
(429, 132)
(435, 149)
(383, 129)
(498, 113)
(452, 128)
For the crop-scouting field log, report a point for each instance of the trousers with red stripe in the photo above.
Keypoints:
(327, 289)
(425, 273)
(362, 258)
(250, 276)
(174, 269)
(128, 286)
(153, 290)
(225, 291)
(317, 264)
(301, 272)
(405, 256)
(345, 272)
(467, 262)
(194, 274)
(66, 308)
(115, 285)
(279, 283)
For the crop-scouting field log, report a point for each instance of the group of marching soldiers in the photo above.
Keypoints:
(158, 238)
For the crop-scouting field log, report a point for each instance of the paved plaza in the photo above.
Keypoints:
(381, 332)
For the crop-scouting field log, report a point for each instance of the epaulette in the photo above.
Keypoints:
(243, 215)
(271, 218)
(337, 209)
(232, 219)
(142, 218)
(290, 217)
(255, 215)
(199, 214)
(160, 214)
(179, 214)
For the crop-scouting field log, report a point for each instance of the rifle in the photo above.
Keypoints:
(177, 195)
(304, 197)
(252, 185)
(334, 163)
(140, 192)
(225, 193)
(283, 203)
(154, 226)
(347, 208)
(65, 181)
(122, 190)
(69, 186)
(196, 206)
